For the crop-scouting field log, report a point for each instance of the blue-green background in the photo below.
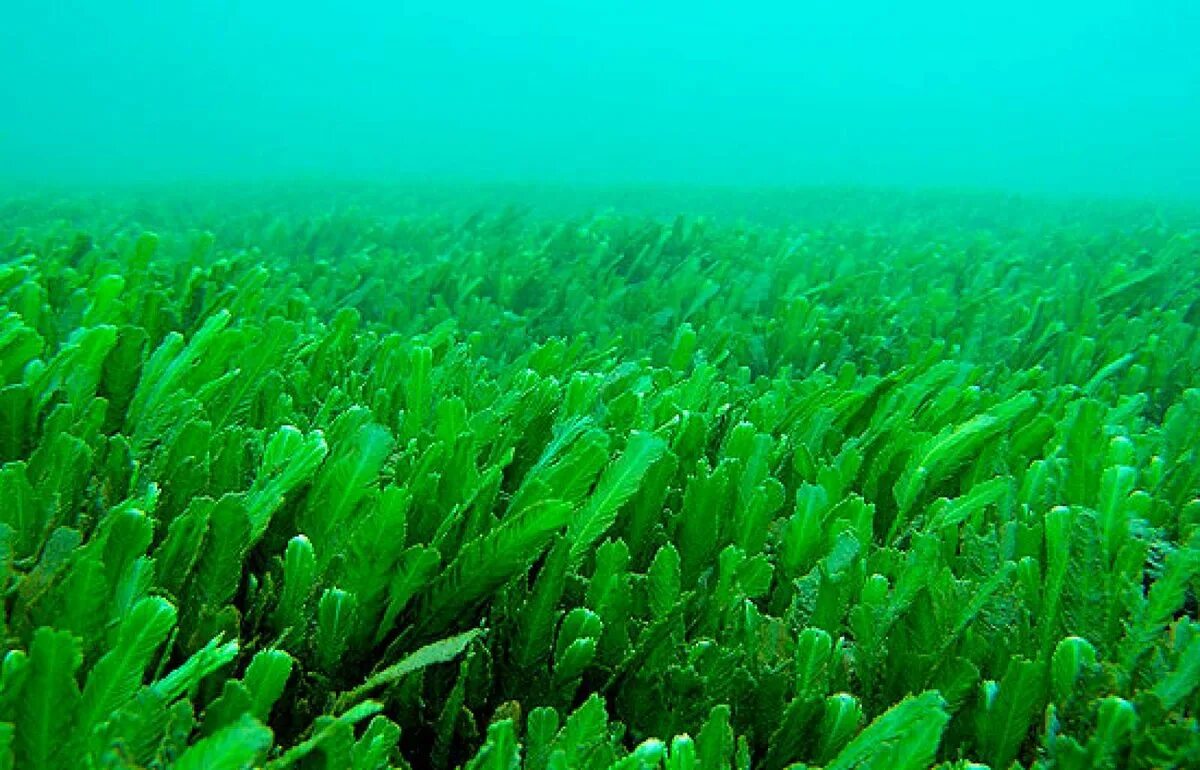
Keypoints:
(1093, 98)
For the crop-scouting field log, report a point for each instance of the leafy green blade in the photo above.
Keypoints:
(906, 737)
(117, 676)
(617, 484)
(47, 713)
(238, 746)
(442, 651)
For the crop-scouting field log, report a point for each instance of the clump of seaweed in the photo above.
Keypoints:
(358, 489)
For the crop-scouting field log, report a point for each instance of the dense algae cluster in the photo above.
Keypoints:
(357, 488)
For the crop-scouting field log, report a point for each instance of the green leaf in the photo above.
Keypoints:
(576, 645)
(289, 460)
(1177, 685)
(570, 476)
(14, 672)
(682, 755)
(1116, 721)
(584, 735)
(705, 502)
(265, 678)
(418, 390)
(16, 417)
(1073, 657)
(269, 352)
(105, 306)
(219, 571)
(648, 755)
(1116, 484)
(21, 508)
(906, 737)
(500, 751)
(122, 371)
(796, 732)
(179, 552)
(18, 346)
(337, 615)
(618, 483)
(60, 469)
(7, 735)
(841, 720)
(951, 513)
(540, 612)
(488, 562)
(326, 729)
(664, 580)
(452, 715)
(1002, 722)
(156, 400)
(140, 728)
(349, 474)
(942, 454)
(118, 675)
(76, 368)
(814, 651)
(1083, 444)
(804, 533)
(683, 347)
(238, 746)
(299, 581)
(373, 751)
(210, 658)
(46, 717)
(416, 568)
(714, 742)
(235, 701)
(645, 509)
(1167, 595)
(442, 651)
(541, 728)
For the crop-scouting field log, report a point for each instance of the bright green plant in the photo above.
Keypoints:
(350, 489)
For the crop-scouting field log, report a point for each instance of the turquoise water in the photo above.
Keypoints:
(1094, 98)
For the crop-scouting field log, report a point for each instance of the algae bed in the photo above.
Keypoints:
(414, 479)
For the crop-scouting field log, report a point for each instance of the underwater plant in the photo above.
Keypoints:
(347, 488)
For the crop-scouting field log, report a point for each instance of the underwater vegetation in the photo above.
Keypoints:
(359, 488)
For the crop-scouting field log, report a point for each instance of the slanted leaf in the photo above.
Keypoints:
(238, 746)
(441, 651)
(46, 716)
(906, 737)
(618, 483)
